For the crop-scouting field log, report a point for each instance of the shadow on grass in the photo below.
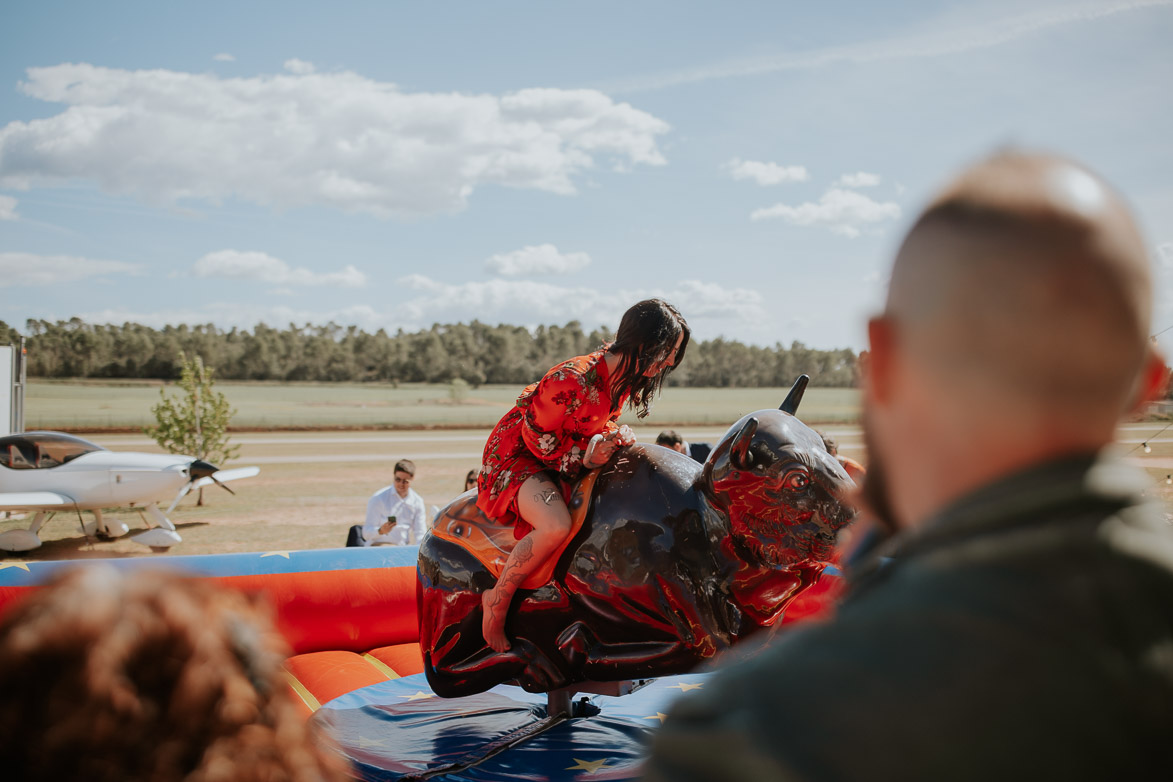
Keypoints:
(82, 547)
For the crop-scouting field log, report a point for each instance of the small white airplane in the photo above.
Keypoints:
(48, 472)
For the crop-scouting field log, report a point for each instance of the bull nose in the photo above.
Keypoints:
(201, 469)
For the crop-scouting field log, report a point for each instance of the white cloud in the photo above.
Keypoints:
(937, 43)
(858, 179)
(300, 67)
(765, 173)
(530, 302)
(844, 211)
(337, 139)
(534, 260)
(223, 57)
(7, 208)
(20, 269)
(242, 265)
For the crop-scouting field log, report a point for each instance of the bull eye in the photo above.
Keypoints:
(796, 481)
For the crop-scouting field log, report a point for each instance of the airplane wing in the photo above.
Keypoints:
(33, 500)
(227, 475)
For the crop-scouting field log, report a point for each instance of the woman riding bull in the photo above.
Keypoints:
(562, 425)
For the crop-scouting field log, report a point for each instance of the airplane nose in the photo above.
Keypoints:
(201, 469)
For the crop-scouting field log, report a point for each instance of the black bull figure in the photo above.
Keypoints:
(674, 562)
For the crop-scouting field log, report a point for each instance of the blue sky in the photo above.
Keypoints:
(394, 164)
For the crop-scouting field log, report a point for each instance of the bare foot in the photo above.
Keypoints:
(493, 624)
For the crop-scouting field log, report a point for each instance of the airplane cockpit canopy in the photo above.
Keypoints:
(42, 450)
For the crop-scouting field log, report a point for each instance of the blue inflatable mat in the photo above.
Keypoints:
(400, 730)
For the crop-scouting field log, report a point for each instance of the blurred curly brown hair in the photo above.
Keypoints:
(148, 675)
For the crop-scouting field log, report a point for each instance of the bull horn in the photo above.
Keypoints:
(794, 398)
(739, 453)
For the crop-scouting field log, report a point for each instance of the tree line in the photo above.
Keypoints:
(474, 352)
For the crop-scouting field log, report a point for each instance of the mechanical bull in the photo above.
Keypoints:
(669, 563)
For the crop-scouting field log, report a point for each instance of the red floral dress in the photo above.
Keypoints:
(549, 430)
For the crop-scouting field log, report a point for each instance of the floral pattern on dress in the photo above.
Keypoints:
(547, 443)
(571, 461)
(500, 482)
(547, 430)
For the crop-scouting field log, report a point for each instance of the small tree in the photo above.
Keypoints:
(458, 390)
(195, 421)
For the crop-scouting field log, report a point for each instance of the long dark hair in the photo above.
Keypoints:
(645, 337)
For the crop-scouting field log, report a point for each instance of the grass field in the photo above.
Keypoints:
(92, 406)
(314, 485)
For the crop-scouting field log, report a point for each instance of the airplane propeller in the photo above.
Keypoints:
(202, 473)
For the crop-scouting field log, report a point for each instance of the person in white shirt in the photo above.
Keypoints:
(396, 514)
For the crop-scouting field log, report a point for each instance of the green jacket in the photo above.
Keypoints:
(1026, 632)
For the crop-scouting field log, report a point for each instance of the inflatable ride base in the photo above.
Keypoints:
(400, 730)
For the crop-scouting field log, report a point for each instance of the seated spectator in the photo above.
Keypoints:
(669, 438)
(470, 480)
(699, 451)
(396, 515)
(1017, 622)
(147, 676)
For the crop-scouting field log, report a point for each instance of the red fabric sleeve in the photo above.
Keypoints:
(549, 408)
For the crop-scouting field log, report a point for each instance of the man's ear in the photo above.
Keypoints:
(1154, 380)
(876, 363)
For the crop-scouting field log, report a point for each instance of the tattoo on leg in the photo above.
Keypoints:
(496, 601)
(547, 496)
(511, 578)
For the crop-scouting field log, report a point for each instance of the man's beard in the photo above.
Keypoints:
(875, 490)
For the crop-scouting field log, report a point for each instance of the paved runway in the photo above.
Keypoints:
(467, 444)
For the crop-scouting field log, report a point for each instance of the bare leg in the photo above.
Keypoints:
(540, 503)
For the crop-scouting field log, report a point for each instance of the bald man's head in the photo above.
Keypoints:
(1027, 278)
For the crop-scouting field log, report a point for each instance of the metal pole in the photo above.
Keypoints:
(18, 389)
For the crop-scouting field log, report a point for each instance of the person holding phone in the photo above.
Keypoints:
(395, 513)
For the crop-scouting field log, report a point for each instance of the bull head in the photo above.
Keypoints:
(780, 488)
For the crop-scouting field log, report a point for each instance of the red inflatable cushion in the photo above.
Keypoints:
(318, 677)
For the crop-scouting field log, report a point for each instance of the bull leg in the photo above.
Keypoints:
(603, 661)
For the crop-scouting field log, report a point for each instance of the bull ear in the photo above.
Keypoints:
(739, 454)
(794, 398)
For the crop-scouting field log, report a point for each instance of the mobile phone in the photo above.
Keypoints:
(391, 520)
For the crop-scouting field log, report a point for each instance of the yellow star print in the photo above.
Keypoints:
(661, 716)
(684, 687)
(589, 766)
(275, 554)
(419, 696)
(22, 565)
